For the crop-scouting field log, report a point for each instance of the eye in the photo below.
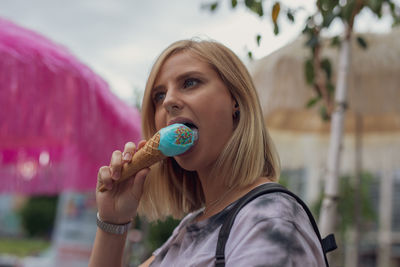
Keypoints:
(158, 97)
(190, 82)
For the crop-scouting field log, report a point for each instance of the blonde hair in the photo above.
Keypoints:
(249, 154)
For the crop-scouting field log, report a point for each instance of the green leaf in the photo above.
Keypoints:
(347, 10)
(335, 41)
(234, 3)
(290, 16)
(327, 19)
(327, 67)
(249, 3)
(361, 42)
(312, 102)
(330, 87)
(392, 6)
(347, 200)
(258, 39)
(329, 5)
(324, 113)
(395, 15)
(213, 6)
(255, 6)
(276, 29)
(375, 6)
(250, 55)
(260, 9)
(276, 8)
(309, 72)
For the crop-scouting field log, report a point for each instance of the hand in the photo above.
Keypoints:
(119, 203)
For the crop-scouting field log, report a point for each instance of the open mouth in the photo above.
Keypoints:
(195, 130)
(190, 125)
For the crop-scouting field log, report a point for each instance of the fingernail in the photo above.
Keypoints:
(127, 156)
(116, 175)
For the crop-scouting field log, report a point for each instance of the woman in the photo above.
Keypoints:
(203, 84)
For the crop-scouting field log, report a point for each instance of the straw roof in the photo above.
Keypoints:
(373, 92)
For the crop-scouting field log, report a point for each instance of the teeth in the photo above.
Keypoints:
(195, 134)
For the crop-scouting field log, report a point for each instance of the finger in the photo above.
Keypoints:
(138, 183)
(104, 178)
(129, 150)
(116, 164)
(141, 144)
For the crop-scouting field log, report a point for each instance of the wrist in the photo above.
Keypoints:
(112, 228)
(114, 219)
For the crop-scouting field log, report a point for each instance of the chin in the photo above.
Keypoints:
(184, 164)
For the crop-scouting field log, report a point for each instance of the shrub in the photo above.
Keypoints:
(38, 215)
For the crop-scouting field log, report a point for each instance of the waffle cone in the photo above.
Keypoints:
(143, 158)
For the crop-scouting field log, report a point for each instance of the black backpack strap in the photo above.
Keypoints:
(327, 244)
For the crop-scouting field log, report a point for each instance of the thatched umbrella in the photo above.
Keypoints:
(374, 85)
(373, 93)
(59, 122)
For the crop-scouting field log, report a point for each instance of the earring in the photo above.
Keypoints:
(236, 114)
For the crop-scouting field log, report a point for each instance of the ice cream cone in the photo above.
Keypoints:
(170, 141)
(143, 158)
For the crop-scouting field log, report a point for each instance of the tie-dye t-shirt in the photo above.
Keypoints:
(271, 230)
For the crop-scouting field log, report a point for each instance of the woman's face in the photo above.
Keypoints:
(187, 90)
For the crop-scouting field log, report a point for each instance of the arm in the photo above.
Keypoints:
(117, 205)
(107, 249)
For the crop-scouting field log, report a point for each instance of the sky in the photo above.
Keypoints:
(120, 39)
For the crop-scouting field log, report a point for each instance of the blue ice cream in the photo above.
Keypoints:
(176, 139)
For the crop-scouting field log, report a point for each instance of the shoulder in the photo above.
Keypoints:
(274, 213)
(274, 228)
(273, 205)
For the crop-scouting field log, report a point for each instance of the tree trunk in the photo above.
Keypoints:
(352, 251)
(329, 205)
(385, 218)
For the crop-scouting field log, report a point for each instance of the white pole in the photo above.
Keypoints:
(328, 210)
(353, 234)
(385, 218)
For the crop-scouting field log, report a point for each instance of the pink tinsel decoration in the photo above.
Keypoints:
(59, 122)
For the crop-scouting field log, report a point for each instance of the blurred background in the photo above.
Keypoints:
(72, 76)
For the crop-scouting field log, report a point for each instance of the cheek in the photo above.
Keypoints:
(220, 122)
(220, 112)
(159, 120)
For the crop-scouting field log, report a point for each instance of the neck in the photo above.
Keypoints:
(218, 195)
(213, 187)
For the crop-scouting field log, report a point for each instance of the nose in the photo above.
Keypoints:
(173, 103)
